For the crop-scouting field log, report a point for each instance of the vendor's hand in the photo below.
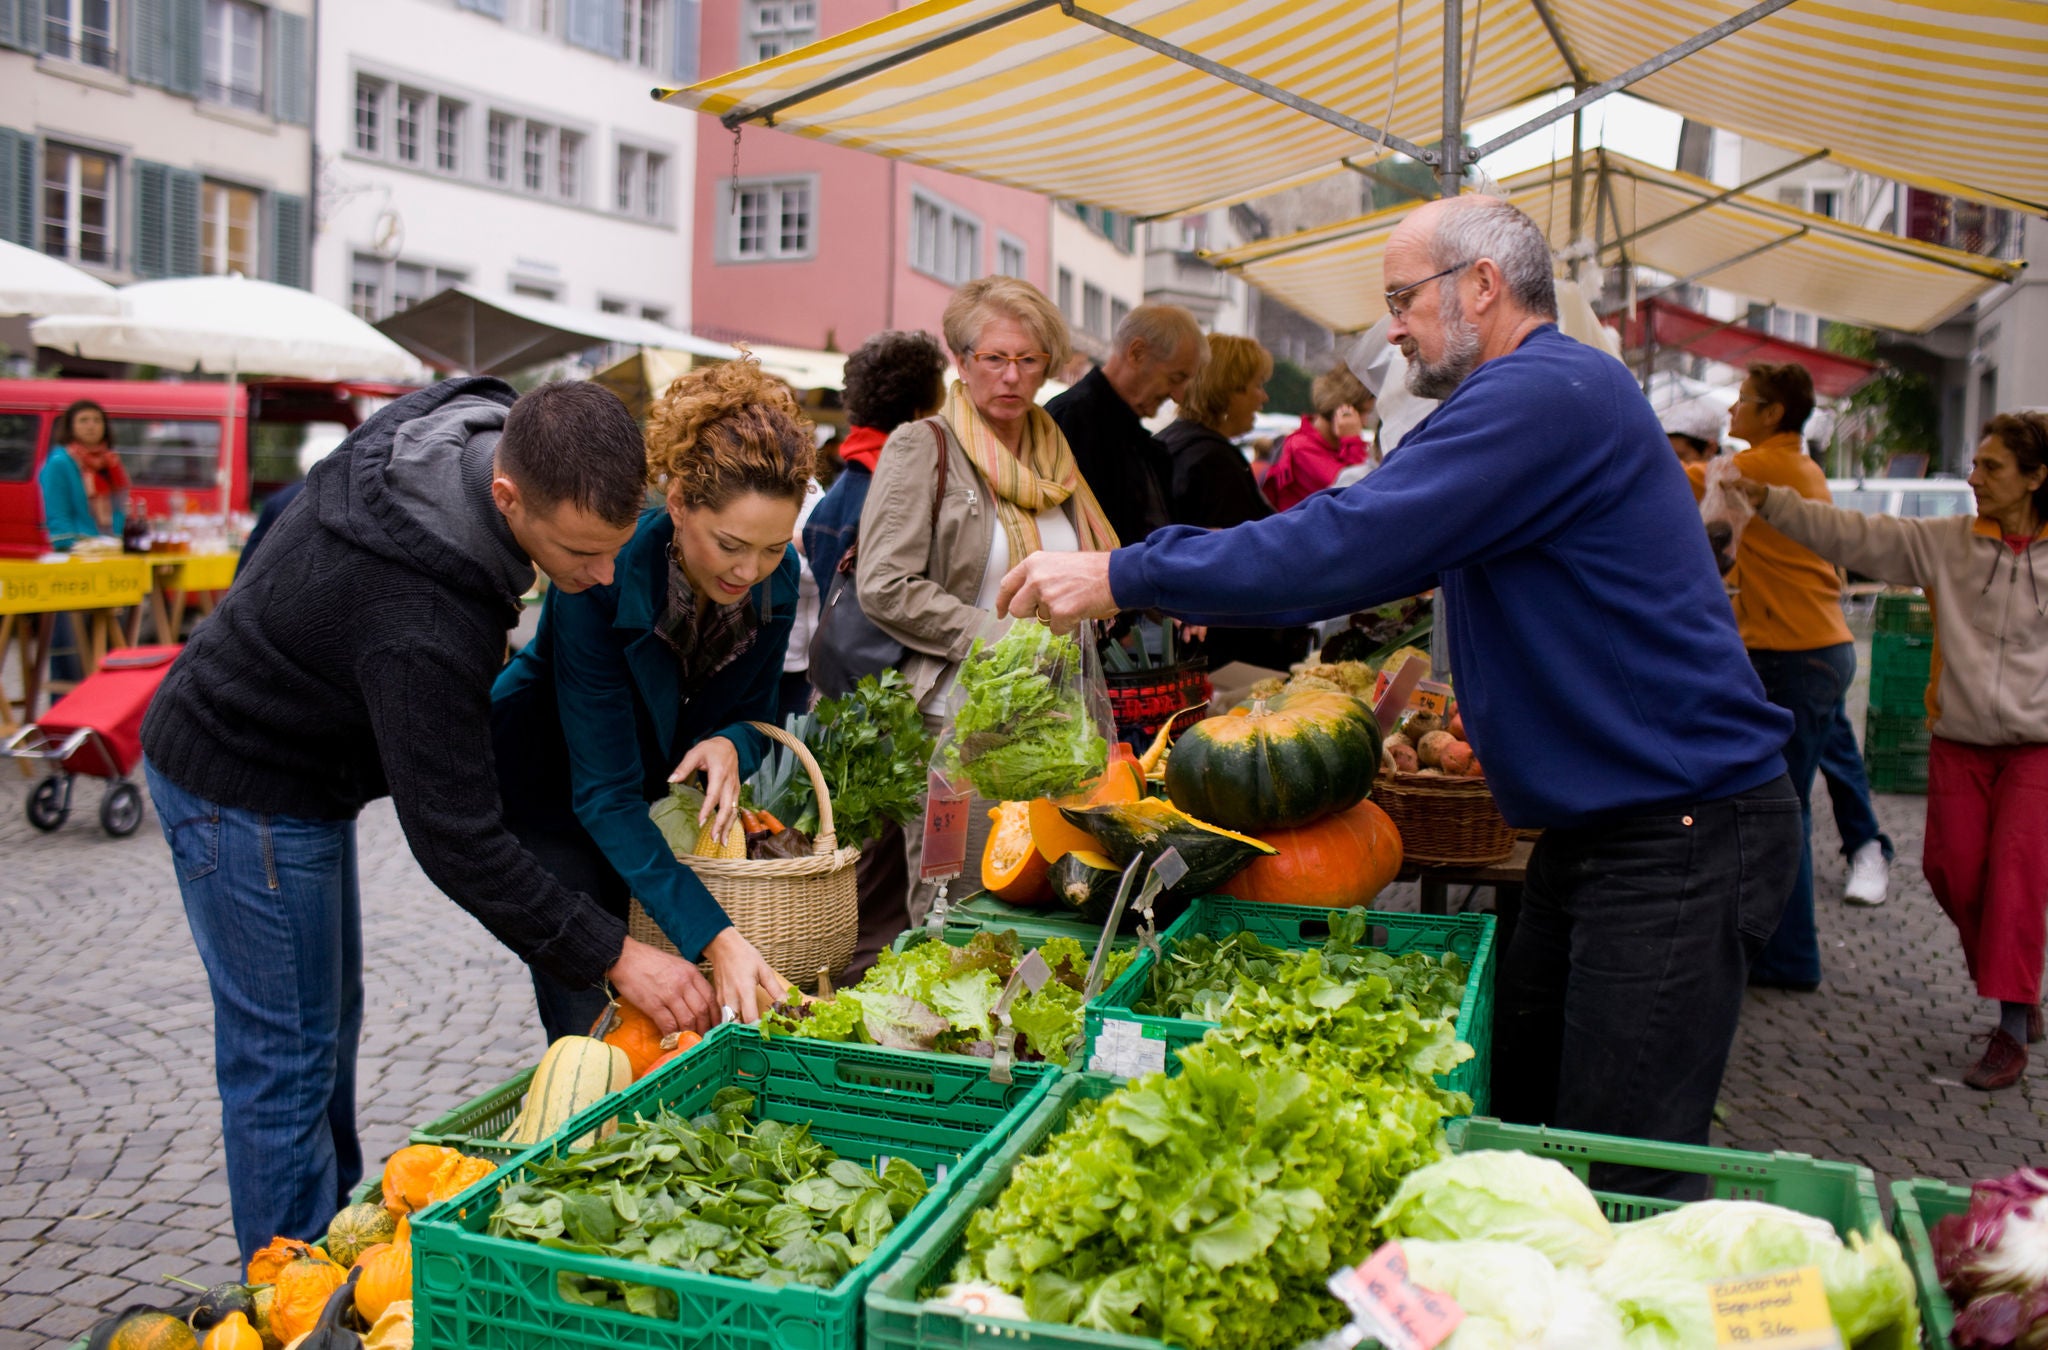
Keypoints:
(719, 758)
(1751, 489)
(744, 982)
(670, 990)
(1058, 589)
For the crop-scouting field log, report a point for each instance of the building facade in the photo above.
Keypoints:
(158, 138)
(1176, 275)
(507, 144)
(803, 244)
(1098, 274)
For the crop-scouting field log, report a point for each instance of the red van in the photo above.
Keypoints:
(173, 439)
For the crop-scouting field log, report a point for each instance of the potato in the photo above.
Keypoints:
(1456, 759)
(1430, 749)
(1418, 723)
(1402, 755)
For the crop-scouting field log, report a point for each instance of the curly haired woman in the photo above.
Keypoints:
(628, 687)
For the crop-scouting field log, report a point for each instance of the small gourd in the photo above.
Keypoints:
(419, 1175)
(304, 1284)
(233, 1332)
(144, 1329)
(384, 1274)
(328, 1333)
(355, 1229)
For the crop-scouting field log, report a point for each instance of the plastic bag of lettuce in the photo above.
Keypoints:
(1033, 718)
(935, 996)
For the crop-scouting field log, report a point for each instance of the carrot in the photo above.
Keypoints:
(769, 822)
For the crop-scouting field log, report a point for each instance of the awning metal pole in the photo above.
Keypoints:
(1578, 171)
(1594, 93)
(1579, 75)
(1451, 166)
(1717, 199)
(1342, 121)
(765, 113)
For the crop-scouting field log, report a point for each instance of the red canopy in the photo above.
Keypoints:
(1674, 327)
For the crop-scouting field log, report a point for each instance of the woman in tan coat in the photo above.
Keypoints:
(1004, 484)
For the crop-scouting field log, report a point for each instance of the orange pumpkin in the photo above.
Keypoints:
(301, 1287)
(419, 1175)
(1030, 836)
(232, 1332)
(684, 1040)
(1344, 859)
(387, 1274)
(634, 1032)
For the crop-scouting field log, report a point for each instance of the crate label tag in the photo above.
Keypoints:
(1127, 1050)
(1783, 1310)
(1394, 1310)
(946, 805)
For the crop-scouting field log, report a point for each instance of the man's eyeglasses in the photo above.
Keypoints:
(1400, 297)
(1030, 363)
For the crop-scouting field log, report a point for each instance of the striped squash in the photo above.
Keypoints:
(576, 1072)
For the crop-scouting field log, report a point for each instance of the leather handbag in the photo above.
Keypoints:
(847, 643)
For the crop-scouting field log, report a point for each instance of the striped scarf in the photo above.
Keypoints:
(1041, 474)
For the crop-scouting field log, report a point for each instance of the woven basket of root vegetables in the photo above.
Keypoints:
(1433, 788)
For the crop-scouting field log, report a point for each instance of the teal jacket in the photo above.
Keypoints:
(589, 720)
(67, 512)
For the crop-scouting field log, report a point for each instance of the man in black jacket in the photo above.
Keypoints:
(354, 659)
(1156, 350)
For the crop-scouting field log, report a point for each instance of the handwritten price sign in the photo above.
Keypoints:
(946, 807)
(1784, 1310)
(1394, 1310)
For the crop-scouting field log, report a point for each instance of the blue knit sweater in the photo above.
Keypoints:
(1595, 657)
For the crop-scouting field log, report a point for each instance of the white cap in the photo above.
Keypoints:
(1699, 418)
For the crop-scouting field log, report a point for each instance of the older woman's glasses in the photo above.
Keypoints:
(1030, 363)
(1400, 297)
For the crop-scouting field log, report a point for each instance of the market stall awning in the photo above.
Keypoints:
(492, 332)
(1744, 244)
(1157, 107)
(1672, 327)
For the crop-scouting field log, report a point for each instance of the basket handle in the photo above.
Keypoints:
(825, 842)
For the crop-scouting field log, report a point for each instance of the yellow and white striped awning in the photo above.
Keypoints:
(1748, 245)
(1949, 94)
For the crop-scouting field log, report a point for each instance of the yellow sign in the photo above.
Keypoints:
(203, 571)
(1784, 1310)
(91, 583)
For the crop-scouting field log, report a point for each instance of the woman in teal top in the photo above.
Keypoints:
(78, 447)
(628, 687)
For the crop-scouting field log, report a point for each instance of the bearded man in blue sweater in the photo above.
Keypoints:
(1596, 663)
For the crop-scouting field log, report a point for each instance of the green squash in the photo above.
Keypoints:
(1085, 883)
(356, 1228)
(1129, 829)
(1278, 764)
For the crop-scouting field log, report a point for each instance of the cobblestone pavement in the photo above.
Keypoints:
(110, 1173)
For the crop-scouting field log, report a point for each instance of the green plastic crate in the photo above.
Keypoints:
(1917, 1205)
(1897, 773)
(1896, 734)
(898, 1318)
(1299, 928)
(479, 1292)
(477, 1126)
(1032, 925)
(1900, 665)
(1903, 612)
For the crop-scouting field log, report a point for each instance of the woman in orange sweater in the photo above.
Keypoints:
(1788, 605)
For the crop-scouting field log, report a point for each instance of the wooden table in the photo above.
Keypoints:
(32, 594)
(1505, 877)
(179, 579)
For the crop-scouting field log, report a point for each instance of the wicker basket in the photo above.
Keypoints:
(1444, 822)
(801, 913)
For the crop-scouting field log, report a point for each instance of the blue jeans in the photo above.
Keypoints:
(276, 913)
(1841, 764)
(1810, 685)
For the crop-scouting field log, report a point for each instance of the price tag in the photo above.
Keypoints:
(1391, 693)
(1394, 1310)
(946, 805)
(1784, 1310)
(1431, 696)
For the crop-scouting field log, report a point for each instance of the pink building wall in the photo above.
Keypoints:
(858, 279)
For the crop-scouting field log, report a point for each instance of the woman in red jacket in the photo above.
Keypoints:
(1328, 441)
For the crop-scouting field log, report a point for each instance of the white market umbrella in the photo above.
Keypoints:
(35, 283)
(233, 326)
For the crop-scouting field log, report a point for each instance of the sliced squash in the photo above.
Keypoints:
(1153, 825)
(575, 1073)
(1012, 868)
(1086, 883)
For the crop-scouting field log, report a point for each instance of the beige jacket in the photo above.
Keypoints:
(917, 586)
(1989, 684)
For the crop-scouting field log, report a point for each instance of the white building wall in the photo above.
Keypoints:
(1094, 280)
(2007, 371)
(414, 227)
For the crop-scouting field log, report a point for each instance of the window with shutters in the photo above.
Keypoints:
(654, 187)
(78, 205)
(773, 27)
(628, 179)
(641, 23)
(409, 112)
(228, 221)
(366, 288)
(1010, 258)
(533, 159)
(232, 55)
(498, 149)
(568, 166)
(369, 116)
(945, 241)
(772, 219)
(1118, 312)
(77, 30)
(409, 282)
(1065, 288)
(448, 118)
(1093, 311)
(379, 287)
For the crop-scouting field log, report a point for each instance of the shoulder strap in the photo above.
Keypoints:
(852, 554)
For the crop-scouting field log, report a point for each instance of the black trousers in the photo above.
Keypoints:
(1618, 1000)
(577, 862)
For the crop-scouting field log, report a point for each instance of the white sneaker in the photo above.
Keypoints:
(1869, 875)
